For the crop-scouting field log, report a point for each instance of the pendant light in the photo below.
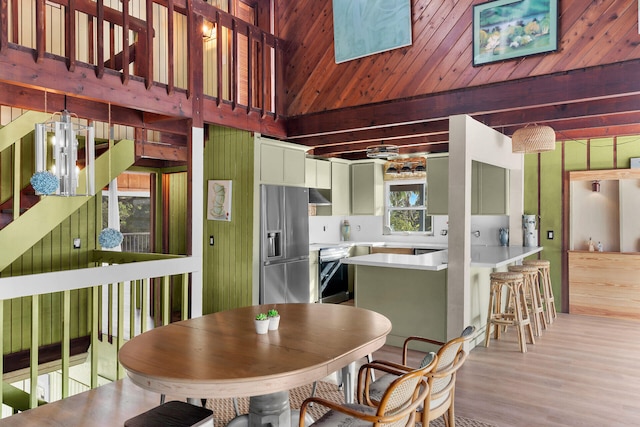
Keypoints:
(382, 151)
(533, 139)
(62, 177)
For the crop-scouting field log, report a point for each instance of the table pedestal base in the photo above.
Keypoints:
(270, 410)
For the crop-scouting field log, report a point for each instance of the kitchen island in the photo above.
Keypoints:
(411, 290)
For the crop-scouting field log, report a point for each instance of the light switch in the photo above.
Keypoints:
(210, 240)
(549, 234)
(76, 243)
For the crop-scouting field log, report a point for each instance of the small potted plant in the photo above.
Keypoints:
(262, 323)
(274, 319)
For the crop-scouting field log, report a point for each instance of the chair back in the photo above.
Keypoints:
(404, 395)
(442, 378)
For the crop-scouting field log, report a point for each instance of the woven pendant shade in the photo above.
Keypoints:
(533, 139)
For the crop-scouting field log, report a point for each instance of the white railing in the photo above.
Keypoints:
(136, 242)
(122, 299)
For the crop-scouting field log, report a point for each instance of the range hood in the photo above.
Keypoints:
(316, 198)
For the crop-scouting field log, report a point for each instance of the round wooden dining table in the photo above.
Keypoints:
(220, 355)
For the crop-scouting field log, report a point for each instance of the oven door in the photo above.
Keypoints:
(333, 282)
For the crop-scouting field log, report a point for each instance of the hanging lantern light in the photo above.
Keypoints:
(533, 139)
(63, 135)
(382, 151)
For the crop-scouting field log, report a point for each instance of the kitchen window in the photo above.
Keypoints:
(406, 207)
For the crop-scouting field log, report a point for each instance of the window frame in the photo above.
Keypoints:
(428, 223)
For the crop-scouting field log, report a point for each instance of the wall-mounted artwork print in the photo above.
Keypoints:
(219, 200)
(506, 29)
(366, 27)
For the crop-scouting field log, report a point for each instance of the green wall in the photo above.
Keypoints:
(53, 253)
(227, 270)
(544, 182)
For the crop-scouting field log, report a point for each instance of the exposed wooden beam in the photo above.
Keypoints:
(591, 84)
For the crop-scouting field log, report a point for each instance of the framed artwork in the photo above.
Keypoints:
(365, 27)
(219, 200)
(506, 29)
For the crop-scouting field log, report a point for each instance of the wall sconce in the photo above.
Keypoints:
(208, 31)
(595, 186)
(63, 178)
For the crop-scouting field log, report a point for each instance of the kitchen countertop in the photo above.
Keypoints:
(481, 256)
(318, 246)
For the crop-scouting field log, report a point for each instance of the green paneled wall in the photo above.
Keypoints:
(228, 280)
(53, 253)
(549, 168)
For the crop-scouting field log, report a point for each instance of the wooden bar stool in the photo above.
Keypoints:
(548, 300)
(514, 310)
(532, 295)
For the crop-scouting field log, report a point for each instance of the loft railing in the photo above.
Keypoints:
(136, 242)
(119, 306)
(162, 42)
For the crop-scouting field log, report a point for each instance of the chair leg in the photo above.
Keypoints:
(235, 406)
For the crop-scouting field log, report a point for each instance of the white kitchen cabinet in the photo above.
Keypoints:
(318, 173)
(339, 194)
(281, 163)
(367, 189)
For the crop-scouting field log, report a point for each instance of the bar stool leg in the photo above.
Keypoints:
(521, 317)
(491, 310)
(536, 312)
(549, 299)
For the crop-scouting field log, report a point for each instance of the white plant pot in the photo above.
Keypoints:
(274, 322)
(262, 326)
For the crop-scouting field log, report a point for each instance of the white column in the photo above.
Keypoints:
(197, 216)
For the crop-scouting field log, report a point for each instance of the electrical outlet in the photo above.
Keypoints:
(210, 240)
(77, 243)
(549, 234)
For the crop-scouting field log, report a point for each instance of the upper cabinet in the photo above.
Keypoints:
(318, 173)
(437, 185)
(339, 194)
(489, 188)
(281, 163)
(367, 188)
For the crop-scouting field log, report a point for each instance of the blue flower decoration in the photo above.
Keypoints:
(110, 238)
(44, 182)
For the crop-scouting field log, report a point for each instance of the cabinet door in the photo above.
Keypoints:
(492, 190)
(294, 166)
(340, 191)
(271, 164)
(366, 189)
(438, 186)
(310, 173)
(323, 174)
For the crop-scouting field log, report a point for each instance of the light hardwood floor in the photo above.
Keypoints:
(583, 371)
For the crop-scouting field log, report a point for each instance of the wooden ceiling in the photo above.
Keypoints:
(587, 89)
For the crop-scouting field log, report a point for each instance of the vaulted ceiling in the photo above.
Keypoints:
(587, 89)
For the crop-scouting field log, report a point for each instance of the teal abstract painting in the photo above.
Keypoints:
(366, 27)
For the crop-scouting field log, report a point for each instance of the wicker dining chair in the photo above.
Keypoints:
(396, 407)
(441, 378)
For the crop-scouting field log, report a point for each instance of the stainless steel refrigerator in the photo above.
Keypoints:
(284, 244)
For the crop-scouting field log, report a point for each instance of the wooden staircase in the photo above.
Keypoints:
(42, 217)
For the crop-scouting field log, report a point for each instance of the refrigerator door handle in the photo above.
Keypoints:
(285, 261)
